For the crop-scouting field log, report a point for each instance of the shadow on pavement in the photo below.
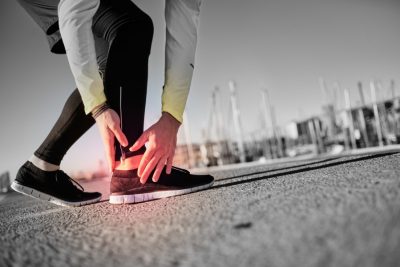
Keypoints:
(305, 168)
(277, 169)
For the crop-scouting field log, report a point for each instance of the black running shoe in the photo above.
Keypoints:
(126, 188)
(56, 187)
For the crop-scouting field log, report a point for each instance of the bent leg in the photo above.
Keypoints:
(70, 126)
(129, 35)
(126, 80)
(72, 123)
(123, 36)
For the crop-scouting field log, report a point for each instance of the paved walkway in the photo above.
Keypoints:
(321, 212)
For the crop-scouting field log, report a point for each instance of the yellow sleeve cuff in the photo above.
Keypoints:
(174, 102)
(91, 89)
(94, 101)
(176, 114)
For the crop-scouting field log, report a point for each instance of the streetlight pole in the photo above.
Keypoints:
(376, 113)
(269, 109)
(236, 121)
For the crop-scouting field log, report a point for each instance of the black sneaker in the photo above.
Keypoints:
(126, 188)
(56, 187)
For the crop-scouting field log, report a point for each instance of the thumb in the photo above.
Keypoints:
(140, 142)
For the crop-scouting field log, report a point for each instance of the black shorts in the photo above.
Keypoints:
(110, 15)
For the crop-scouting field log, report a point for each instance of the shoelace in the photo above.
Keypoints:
(67, 180)
(180, 169)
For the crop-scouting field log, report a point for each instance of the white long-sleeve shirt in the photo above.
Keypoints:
(181, 17)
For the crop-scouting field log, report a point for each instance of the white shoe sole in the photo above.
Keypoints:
(39, 195)
(137, 198)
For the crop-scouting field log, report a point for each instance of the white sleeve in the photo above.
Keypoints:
(181, 18)
(75, 22)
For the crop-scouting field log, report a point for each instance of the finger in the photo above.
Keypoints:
(149, 168)
(140, 142)
(145, 160)
(169, 163)
(159, 168)
(119, 135)
(110, 151)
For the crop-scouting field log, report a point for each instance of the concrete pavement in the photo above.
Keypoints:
(319, 212)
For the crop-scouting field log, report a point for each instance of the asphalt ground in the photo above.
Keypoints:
(320, 212)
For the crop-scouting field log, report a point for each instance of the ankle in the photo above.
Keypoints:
(130, 163)
(43, 165)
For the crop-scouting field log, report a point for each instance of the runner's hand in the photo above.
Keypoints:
(161, 138)
(108, 123)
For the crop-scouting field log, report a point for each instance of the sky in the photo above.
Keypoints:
(283, 46)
